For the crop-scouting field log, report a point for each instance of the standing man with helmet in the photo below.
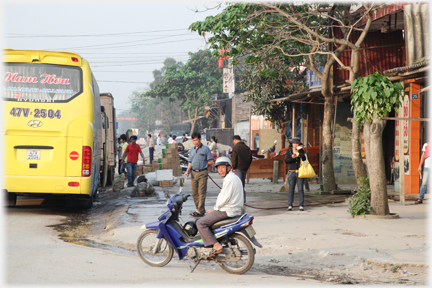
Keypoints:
(241, 160)
(228, 204)
(199, 159)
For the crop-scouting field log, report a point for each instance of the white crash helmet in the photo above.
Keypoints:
(223, 161)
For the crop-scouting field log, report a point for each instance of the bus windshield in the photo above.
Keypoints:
(41, 82)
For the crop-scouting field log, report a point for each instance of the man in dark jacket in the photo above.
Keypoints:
(292, 158)
(241, 160)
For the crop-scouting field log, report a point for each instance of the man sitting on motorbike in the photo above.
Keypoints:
(228, 204)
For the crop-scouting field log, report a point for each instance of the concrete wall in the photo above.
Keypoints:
(342, 160)
(243, 130)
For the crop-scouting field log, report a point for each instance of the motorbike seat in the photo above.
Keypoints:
(223, 222)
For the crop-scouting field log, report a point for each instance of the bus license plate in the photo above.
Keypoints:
(33, 154)
(250, 231)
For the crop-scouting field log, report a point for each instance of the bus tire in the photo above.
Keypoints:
(10, 199)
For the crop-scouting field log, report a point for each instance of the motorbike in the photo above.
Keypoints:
(270, 150)
(156, 245)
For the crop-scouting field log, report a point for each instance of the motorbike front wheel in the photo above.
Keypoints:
(245, 261)
(153, 251)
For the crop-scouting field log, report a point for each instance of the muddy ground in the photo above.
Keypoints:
(114, 211)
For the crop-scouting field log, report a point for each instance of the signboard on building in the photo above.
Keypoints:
(312, 80)
(228, 80)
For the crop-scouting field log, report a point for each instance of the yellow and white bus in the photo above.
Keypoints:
(52, 125)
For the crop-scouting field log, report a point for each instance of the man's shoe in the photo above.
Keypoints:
(289, 208)
(418, 201)
(301, 208)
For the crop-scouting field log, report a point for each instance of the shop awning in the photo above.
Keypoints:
(301, 97)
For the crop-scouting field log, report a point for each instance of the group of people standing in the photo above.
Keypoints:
(128, 153)
(201, 157)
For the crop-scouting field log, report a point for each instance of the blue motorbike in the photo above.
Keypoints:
(156, 245)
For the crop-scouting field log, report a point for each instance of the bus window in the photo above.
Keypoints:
(41, 83)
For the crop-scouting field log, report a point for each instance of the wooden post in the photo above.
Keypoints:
(401, 151)
(275, 172)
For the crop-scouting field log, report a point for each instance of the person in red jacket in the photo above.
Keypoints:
(132, 151)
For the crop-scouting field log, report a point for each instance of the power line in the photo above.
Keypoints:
(126, 42)
(122, 81)
(133, 61)
(88, 35)
(95, 71)
(148, 44)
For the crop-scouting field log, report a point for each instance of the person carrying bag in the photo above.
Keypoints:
(306, 170)
(293, 158)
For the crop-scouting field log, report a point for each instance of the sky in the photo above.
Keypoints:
(124, 41)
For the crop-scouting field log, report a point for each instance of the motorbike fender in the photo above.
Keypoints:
(152, 225)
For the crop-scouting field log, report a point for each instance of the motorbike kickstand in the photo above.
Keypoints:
(193, 268)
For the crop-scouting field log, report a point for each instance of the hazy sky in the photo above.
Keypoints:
(121, 62)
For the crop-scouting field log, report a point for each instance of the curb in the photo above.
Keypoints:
(390, 216)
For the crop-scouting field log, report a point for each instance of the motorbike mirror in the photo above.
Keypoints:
(262, 151)
(275, 141)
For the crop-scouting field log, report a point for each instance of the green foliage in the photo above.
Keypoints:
(148, 110)
(359, 203)
(273, 78)
(192, 84)
(374, 96)
(257, 34)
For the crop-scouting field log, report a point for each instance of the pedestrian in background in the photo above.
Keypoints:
(199, 159)
(292, 158)
(184, 139)
(131, 152)
(119, 154)
(123, 140)
(425, 157)
(241, 160)
(170, 139)
(213, 146)
(159, 140)
(151, 147)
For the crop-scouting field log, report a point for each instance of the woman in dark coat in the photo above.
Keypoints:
(292, 158)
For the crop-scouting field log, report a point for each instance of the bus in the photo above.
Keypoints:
(52, 126)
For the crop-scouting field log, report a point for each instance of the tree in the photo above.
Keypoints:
(302, 32)
(192, 84)
(272, 78)
(148, 110)
(374, 97)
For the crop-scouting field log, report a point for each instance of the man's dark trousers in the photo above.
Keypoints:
(242, 175)
(151, 152)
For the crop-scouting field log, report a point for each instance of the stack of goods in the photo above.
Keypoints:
(147, 169)
(170, 160)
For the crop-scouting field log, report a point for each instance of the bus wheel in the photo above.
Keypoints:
(10, 199)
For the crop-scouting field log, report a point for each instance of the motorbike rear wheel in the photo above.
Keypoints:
(146, 243)
(247, 258)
